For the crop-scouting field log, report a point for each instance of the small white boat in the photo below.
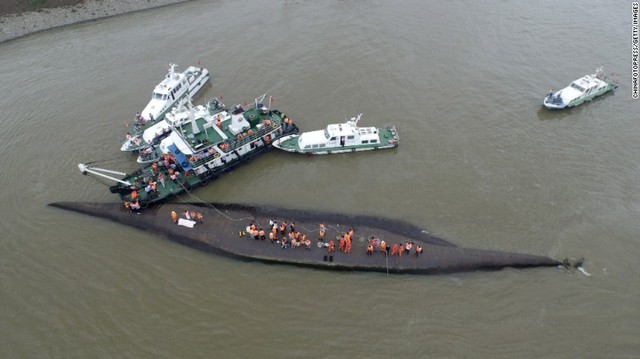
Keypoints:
(175, 90)
(340, 138)
(583, 89)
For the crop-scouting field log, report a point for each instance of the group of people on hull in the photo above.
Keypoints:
(396, 249)
(282, 233)
(190, 215)
(289, 237)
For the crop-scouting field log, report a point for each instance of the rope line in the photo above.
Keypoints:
(337, 231)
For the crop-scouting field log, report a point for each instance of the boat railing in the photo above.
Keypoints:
(235, 143)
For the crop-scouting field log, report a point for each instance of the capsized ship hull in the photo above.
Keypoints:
(219, 232)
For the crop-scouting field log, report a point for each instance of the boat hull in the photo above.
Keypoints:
(327, 150)
(219, 233)
(576, 102)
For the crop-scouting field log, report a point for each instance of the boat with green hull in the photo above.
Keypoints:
(340, 138)
(581, 90)
(215, 141)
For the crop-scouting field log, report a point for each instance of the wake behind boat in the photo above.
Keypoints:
(340, 138)
(174, 90)
(583, 89)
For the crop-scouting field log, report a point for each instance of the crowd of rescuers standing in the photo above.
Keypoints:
(289, 237)
(156, 177)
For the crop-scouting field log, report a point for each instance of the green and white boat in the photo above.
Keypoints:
(583, 89)
(340, 138)
(199, 152)
(176, 89)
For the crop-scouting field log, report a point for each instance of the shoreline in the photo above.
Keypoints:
(19, 25)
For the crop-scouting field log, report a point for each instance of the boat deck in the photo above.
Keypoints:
(208, 143)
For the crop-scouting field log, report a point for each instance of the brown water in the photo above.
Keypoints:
(481, 164)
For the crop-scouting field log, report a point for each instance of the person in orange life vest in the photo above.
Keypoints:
(383, 247)
(332, 246)
(341, 243)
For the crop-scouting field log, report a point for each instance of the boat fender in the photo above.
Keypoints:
(329, 152)
(375, 148)
(353, 150)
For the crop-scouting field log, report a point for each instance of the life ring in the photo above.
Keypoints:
(252, 116)
(353, 150)
(329, 152)
(216, 155)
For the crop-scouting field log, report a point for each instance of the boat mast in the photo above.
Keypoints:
(99, 172)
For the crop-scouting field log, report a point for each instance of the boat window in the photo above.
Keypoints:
(374, 141)
(315, 145)
(577, 87)
(365, 141)
(307, 146)
(326, 134)
(350, 137)
(321, 145)
(333, 138)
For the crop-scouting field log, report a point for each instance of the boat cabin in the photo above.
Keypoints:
(339, 135)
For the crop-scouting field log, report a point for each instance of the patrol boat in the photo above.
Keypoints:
(174, 90)
(200, 151)
(583, 89)
(340, 138)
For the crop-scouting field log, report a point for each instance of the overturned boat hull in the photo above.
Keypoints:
(220, 233)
